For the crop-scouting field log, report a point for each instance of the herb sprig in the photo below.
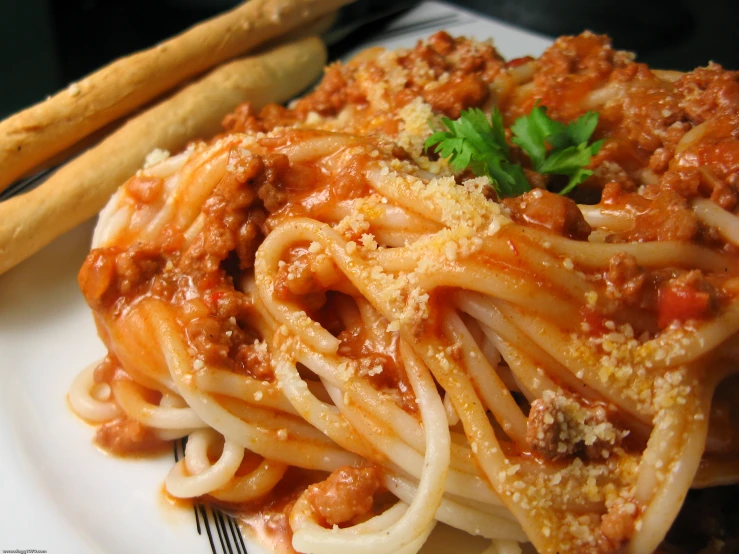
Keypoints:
(476, 143)
(472, 142)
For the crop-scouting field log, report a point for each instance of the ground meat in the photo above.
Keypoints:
(225, 212)
(269, 189)
(549, 211)
(295, 277)
(225, 302)
(461, 91)
(97, 275)
(135, 266)
(689, 296)
(570, 69)
(442, 42)
(275, 115)
(298, 280)
(586, 54)
(234, 219)
(618, 525)
(250, 236)
(424, 54)
(450, 73)
(708, 91)
(127, 436)
(254, 360)
(109, 273)
(708, 164)
(223, 338)
(668, 217)
(616, 196)
(559, 426)
(243, 120)
(387, 374)
(644, 120)
(625, 279)
(645, 115)
(206, 335)
(672, 295)
(347, 493)
(329, 97)
(442, 53)
(660, 159)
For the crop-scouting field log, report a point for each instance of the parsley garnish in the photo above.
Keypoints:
(476, 143)
(554, 148)
(569, 153)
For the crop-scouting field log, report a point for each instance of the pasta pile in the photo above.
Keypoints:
(361, 342)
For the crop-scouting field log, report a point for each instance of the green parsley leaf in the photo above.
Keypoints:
(472, 142)
(581, 129)
(569, 152)
(532, 131)
(510, 178)
(478, 144)
(571, 162)
(499, 131)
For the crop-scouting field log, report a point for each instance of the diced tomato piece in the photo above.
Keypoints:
(682, 304)
(515, 62)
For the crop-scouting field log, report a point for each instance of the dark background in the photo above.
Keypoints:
(46, 44)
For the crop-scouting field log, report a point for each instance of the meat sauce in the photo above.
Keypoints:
(266, 519)
(644, 127)
(545, 210)
(346, 495)
(669, 139)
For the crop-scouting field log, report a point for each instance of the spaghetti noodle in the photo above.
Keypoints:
(353, 334)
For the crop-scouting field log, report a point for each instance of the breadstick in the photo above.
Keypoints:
(78, 190)
(30, 137)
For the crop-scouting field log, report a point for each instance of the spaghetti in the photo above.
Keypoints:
(355, 336)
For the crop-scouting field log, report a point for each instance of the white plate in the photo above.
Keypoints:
(59, 493)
